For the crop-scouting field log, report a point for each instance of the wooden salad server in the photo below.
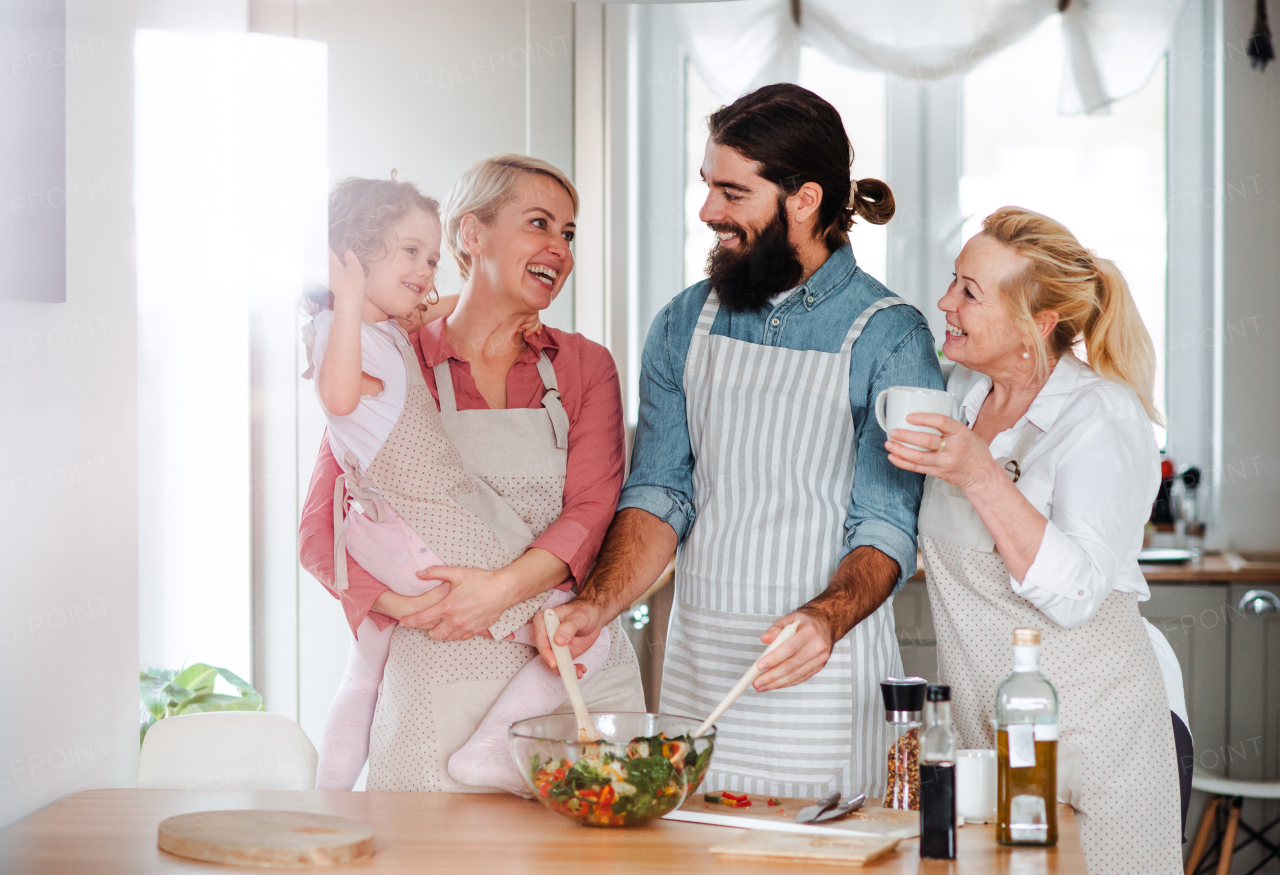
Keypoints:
(569, 674)
(745, 681)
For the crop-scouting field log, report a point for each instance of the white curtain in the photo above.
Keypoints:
(1112, 45)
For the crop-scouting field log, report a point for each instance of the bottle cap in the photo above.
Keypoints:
(1026, 637)
(938, 693)
(903, 698)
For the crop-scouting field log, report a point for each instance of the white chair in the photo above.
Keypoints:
(227, 750)
(1227, 818)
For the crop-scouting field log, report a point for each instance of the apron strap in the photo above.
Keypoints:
(444, 387)
(1012, 462)
(362, 491)
(707, 316)
(551, 401)
(855, 330)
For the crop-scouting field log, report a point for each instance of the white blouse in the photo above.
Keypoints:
(366, 429)
(1093, 474)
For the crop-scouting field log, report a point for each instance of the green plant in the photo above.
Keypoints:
(168, 693)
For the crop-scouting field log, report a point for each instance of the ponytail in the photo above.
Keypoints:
(1089, 294)
(1116, 340)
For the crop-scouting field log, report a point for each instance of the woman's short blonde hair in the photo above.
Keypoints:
(486, 188)
(1089, 294)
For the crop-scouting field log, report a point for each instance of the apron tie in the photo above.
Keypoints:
(362, 491)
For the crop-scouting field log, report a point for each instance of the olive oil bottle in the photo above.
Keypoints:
(1027, 749)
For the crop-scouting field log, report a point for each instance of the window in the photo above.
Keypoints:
(1102, 176)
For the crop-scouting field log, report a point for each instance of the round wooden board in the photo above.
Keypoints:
(266, 838)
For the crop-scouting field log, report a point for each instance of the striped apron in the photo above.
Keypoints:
(775, 445)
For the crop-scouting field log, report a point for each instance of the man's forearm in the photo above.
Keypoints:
(636, 549)
(862, 582)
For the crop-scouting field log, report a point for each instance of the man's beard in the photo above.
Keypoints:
(745, 278)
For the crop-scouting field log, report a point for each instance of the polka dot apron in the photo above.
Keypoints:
(1116, 762)
(478, 486)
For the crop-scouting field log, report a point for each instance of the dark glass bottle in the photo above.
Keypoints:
(938, 746)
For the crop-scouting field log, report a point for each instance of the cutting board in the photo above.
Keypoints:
(266, 838)
(850, 850)
(870, 820)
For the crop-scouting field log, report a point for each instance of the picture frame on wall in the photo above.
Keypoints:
(33, 185)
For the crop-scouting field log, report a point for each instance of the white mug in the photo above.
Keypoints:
(894, 404)
(976, 785)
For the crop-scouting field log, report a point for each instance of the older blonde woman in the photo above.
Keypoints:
(538, 421)
(1033, 514)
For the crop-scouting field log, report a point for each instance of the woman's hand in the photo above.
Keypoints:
(346, 275)
(475, 600)
(959, 456)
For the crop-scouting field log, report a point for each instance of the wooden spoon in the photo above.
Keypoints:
(569, 674)
(745, 681)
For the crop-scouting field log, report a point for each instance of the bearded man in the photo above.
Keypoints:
(757, 398)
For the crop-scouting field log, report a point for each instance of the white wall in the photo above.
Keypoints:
(1250, 193)
(69, 441)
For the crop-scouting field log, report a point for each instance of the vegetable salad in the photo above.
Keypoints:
(620, 785)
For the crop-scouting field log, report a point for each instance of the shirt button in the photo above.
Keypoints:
(1081, 592)
(776, 322)
(809, 300)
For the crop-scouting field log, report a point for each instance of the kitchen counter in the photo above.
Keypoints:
(114, 831)
(1217, 568)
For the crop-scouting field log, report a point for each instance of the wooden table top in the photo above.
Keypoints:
(114, 831)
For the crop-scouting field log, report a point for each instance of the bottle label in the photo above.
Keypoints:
(1028, 819)
(1046, 732)
(1022, 745)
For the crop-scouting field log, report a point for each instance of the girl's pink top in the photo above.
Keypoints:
(592, 397)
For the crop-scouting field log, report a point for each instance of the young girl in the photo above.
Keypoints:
(366, 375)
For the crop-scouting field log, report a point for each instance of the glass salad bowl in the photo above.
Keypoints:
(644, 768)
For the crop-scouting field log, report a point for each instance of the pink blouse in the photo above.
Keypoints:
(592, 397)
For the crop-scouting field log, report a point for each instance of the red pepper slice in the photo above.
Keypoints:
(742, 803)
(736, 797)
(773, 801)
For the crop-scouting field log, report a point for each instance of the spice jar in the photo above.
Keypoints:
(903, 699)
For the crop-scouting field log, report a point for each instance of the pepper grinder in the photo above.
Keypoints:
(903, 700)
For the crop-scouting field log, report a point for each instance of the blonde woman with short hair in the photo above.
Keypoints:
(1034, 506)
(535, 419)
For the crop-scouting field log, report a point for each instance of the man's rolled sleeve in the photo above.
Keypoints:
(885, 501)
(889, 540)
(670, 506)
(661, 480)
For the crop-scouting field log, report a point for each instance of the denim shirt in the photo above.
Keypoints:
(895, 349)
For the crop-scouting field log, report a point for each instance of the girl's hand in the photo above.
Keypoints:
(346, 275)
(414, 321)
(963, 461)
(531, 326)
(476, 599)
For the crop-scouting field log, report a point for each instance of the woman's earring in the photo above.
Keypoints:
(1026, 355)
